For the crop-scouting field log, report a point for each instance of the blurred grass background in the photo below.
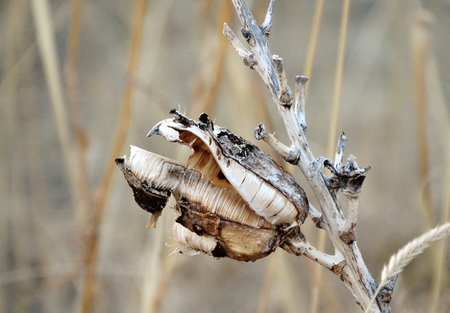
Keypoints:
(82, 80)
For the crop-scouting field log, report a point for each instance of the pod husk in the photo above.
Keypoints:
(232, 199)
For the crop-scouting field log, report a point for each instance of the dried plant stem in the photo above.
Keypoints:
(415, 247)
(160, 270)
(317, 271)
(409, 252)
(125, 114)
(421, 40)
(420, 43)
(352, 270)
(354, 274)
(11, 142)
(264, 297)
(156, 283)
(312, 45)
(332, 138)
(441, 262)
(169, 266)
(338, 78)
(206, 87)
(71, 79)
(286, 284)
(47, 49)
(441, 271)
(119, 139)
(86, 197)
(273, 266)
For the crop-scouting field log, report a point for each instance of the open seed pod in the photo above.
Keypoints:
(230, 161)
(152, 178)
(232, 199)
(210, 219)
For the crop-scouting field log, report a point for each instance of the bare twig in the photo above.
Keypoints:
(355, 275)
(47, 49)
(81, 139)
(290, 154)
(420, 49)
(208, 79)
(119, 139)
(233, 200)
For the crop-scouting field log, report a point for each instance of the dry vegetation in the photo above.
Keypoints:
(80, 81)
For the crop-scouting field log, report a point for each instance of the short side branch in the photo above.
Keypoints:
(299, 105)
(298, 245)
(244, 54)
(285, 93)
(266, 26)
(291, 155)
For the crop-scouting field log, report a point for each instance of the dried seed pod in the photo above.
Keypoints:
(215, 220)
(232, 199)
(152, 179)
(228, 160)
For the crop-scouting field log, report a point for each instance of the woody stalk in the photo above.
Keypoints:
(234, 201)
(346, 179)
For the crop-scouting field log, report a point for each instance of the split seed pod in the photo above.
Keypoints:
(233, 200)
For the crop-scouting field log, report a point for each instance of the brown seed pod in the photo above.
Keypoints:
(152, 179)
(230, 161)
(232, 199)
(215, 220)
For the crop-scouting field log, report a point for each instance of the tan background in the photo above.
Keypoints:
(47, 227)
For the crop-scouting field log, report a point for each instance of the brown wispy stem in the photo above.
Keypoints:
(85, 198)
(206, 87)
(71, 77)
(264, 296)
(422, 55)
(312, 45)
(441, 272)
(318, 275)
(316, 271)
(206, 84)
(119, 139)
(421, 40)
(338, 78)
(47, 50)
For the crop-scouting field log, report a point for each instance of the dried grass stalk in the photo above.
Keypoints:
(409, 252)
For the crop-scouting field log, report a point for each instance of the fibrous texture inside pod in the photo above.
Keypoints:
(152, 179)
(232, 199)
(213, 220)
(228, 160)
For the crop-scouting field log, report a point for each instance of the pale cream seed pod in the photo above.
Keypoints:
(232, 199)
(214, 220)
(230, 161)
